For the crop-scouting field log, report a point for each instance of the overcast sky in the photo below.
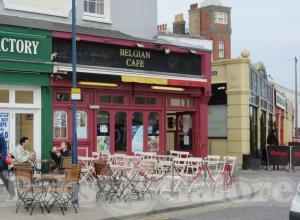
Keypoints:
(269, 29)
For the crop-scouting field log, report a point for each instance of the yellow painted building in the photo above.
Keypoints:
(249, 109)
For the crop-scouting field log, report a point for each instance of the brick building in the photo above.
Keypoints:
(212, 20)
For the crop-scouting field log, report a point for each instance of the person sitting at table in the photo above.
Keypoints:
(22, 154)
(57, 154)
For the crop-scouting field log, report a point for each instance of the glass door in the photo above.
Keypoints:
(17, 124)
(24, 123)
(184, 131)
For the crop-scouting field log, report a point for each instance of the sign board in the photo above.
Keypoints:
(280, 101)
(106, 55)
(278, 155)
(60, 119)
(75, 94)
(4, 125)
(217, 121)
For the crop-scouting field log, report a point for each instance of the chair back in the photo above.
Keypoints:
(72, 176)
(96, 155)
(148, 166)
(24, 176)
(180, 154)
(102, 168)
(66, 161)
(72, 166)
(213, 157)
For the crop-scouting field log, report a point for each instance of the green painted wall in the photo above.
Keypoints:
(46, 121)
(19, 78)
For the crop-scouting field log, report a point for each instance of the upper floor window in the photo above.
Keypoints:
(97, 10)
(220, 18)
(221, 49)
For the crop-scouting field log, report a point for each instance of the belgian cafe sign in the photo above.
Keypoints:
(135, 58)
(20, 46)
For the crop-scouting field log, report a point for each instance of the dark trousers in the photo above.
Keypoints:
(9, 185)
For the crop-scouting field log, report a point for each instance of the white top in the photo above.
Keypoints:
(21, 155)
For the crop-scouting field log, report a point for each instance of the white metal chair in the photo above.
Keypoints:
(213, 157)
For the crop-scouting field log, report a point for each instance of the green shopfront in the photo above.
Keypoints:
(25, 94)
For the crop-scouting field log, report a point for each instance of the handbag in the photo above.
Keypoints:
(8, 160)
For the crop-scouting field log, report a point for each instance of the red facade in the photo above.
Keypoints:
(128, 115)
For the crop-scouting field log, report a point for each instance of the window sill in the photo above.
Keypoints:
(96, 19)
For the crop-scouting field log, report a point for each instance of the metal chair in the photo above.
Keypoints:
(29, 192)
(66, 191)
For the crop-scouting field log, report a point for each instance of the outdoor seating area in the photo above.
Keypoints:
(46, 190)
(119, 178)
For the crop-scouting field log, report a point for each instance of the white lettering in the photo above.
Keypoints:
(35, 46)
(20, 46)
(3, 48)
(28, 47)
(12, 45)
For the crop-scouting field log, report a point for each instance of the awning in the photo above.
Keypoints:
(132, 76)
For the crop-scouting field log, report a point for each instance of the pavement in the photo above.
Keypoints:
(247, 185)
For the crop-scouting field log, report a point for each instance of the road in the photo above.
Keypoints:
(272, 202)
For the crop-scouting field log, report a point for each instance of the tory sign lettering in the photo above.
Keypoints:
(12, 45)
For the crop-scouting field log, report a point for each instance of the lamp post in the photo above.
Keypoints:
(74, 84)
(296, 100)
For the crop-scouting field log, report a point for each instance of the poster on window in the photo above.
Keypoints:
(4, 125)
(60, 119)
(217, 121)
(137, 138)
(81, 122)
(103, 144)
(153, 143)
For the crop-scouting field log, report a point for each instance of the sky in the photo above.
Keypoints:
(269, 29)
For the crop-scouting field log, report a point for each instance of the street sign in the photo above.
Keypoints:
(76, 94)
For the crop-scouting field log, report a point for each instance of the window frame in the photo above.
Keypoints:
(220, 17)
(105, 18)
(221, 47)
(67, 124)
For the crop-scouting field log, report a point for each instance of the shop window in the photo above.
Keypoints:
(81, 124)
(24, 97)
(153, 132)
(62, 97)
(137, 132)
(60, 124)
(112, 99)
(181, 102)
(120, 131)
(103, 132)
(145, 101)
(4, 96)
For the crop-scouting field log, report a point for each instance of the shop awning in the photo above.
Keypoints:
(129, 76)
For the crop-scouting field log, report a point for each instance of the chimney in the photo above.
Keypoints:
(193, 6)
(194, 20)
(162, 28)
(179, 24)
